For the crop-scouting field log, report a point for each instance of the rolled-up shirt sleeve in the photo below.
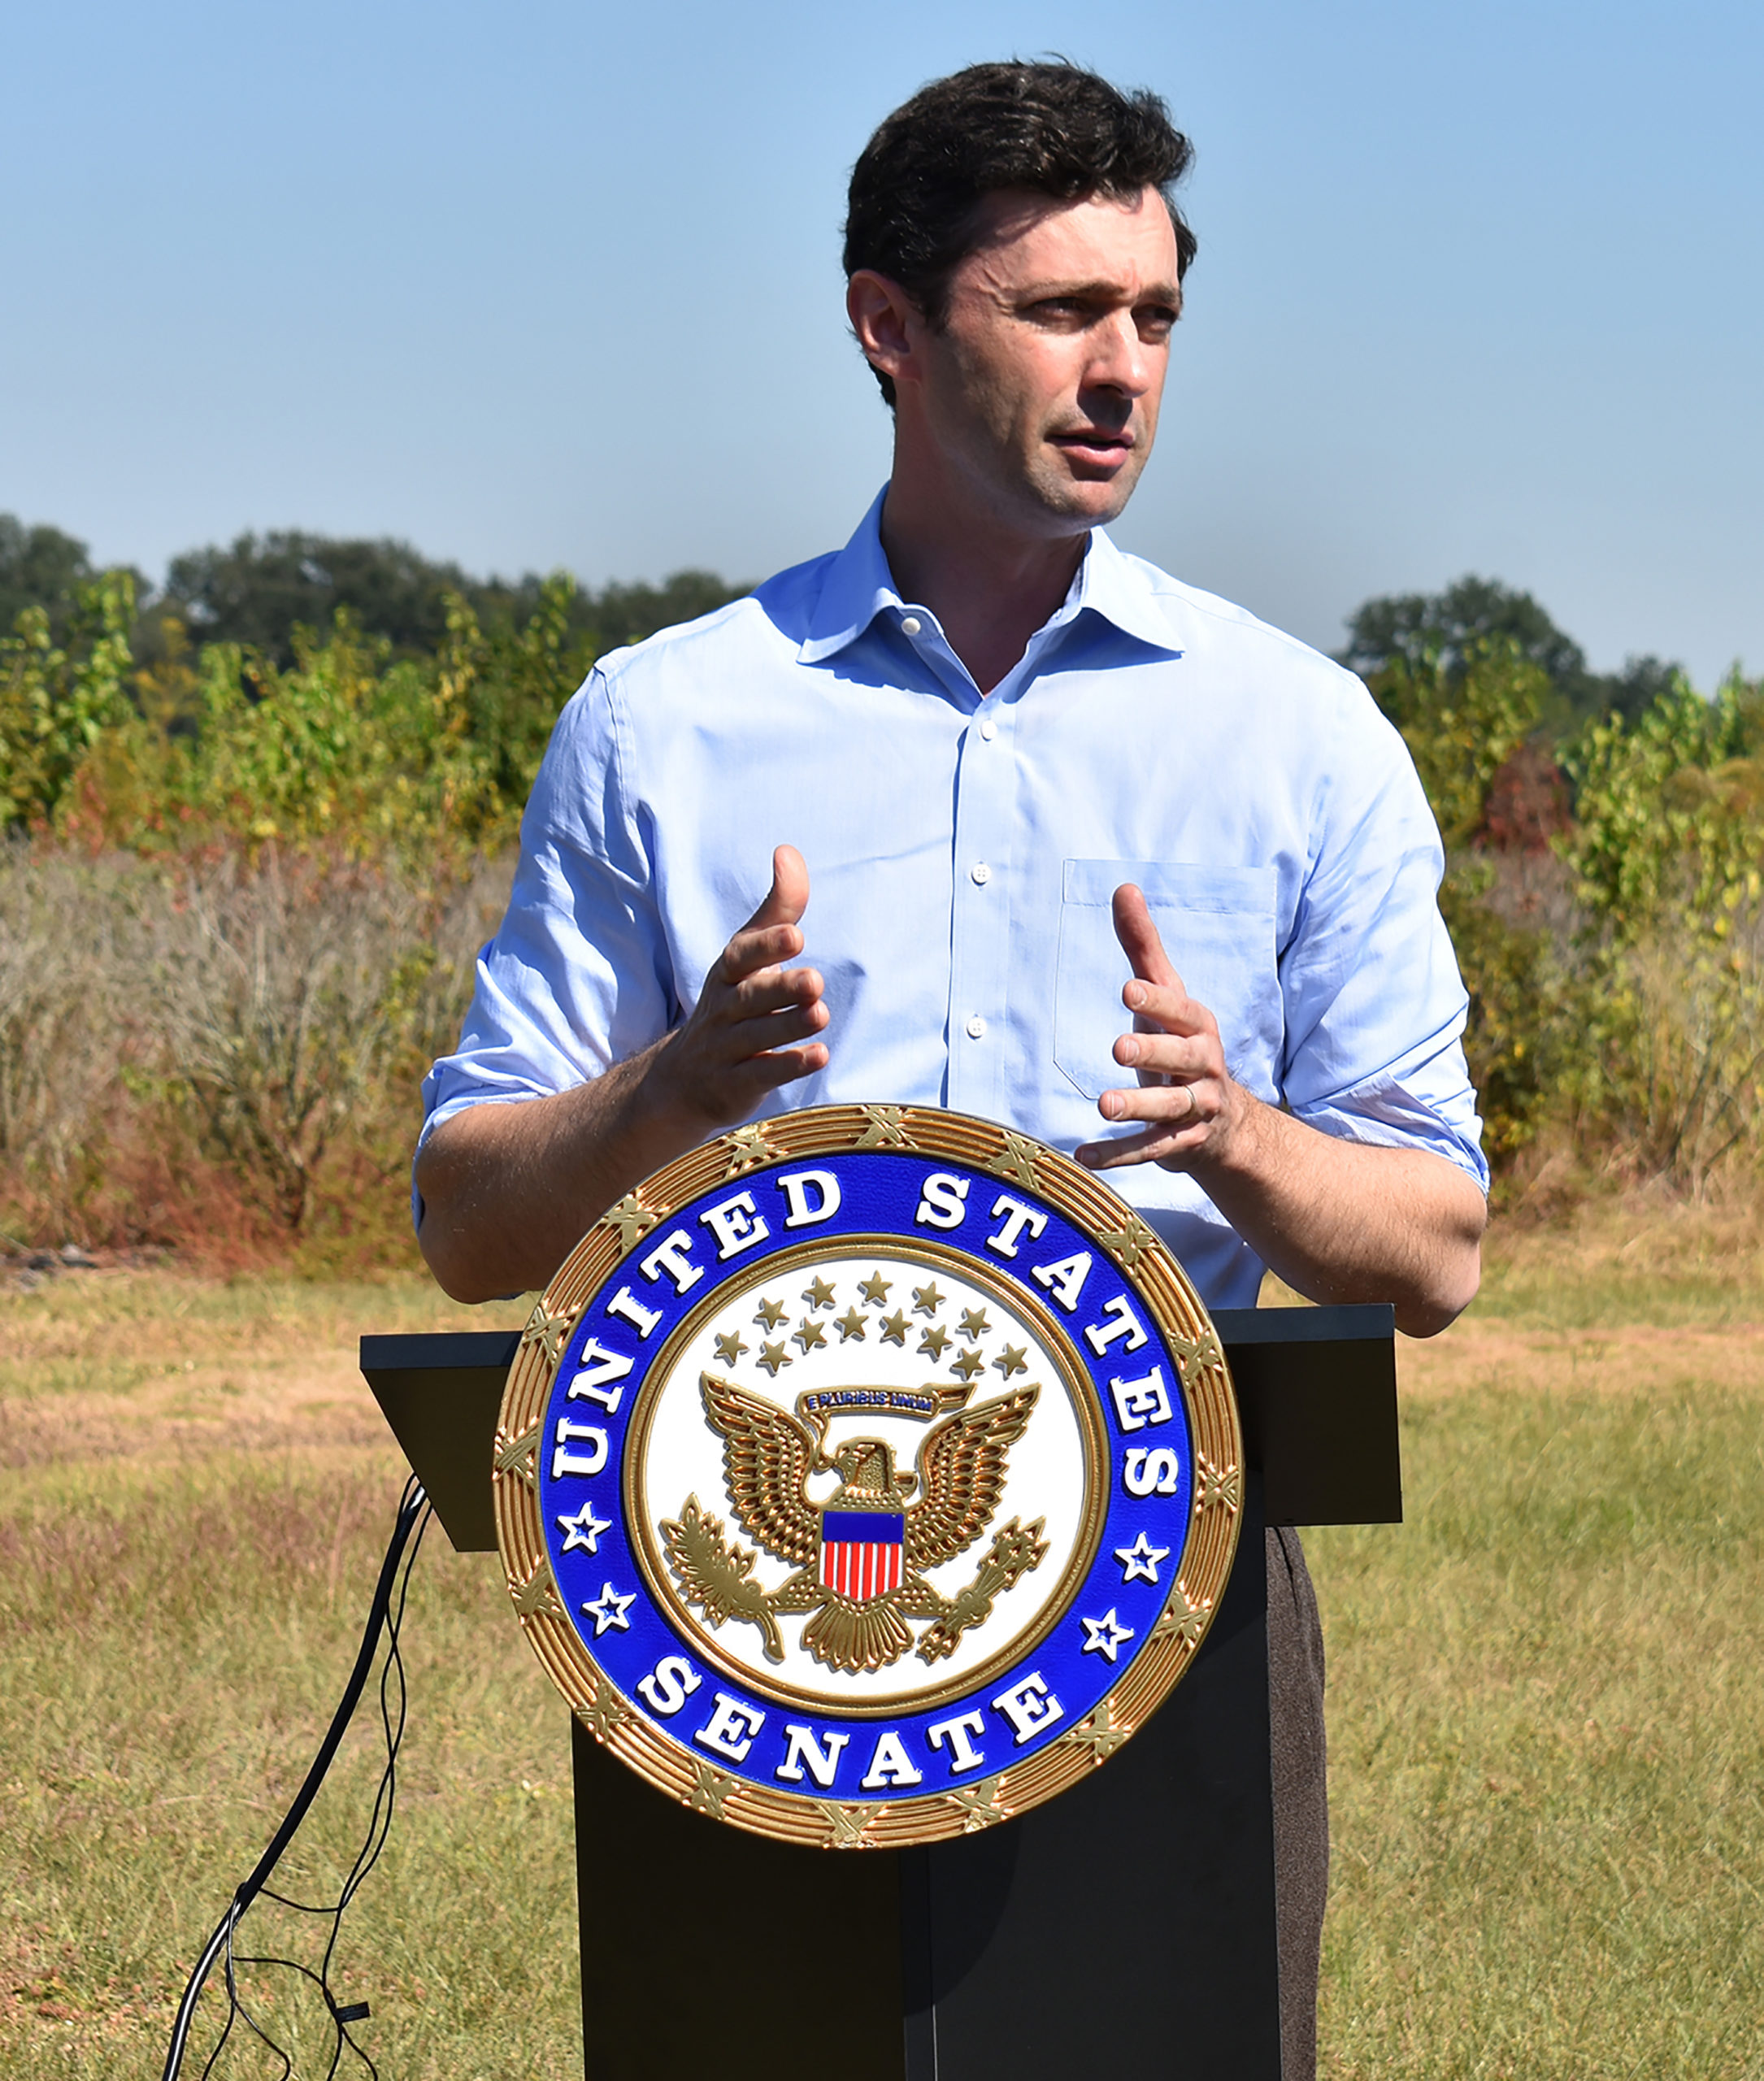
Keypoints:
(1375, 1007)
(578, 976)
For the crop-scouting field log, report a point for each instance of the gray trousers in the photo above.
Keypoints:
(1300, 1796)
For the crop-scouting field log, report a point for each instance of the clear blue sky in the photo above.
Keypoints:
(1480, 289)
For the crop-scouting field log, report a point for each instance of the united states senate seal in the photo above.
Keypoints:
(868, 1475)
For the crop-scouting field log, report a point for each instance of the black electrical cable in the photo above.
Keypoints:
(413, 1507)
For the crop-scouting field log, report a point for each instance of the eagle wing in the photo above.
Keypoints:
(767, 1457)
(961, 1467)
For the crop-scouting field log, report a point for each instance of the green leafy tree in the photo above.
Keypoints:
(1464, 711)
(627, 614)
(257, 592)
(40, 567)
(1667, 855)
(58, 701)
(1420, 631)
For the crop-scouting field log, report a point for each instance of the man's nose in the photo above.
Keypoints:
(1120, 359)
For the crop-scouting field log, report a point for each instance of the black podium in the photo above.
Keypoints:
(1125, 1929)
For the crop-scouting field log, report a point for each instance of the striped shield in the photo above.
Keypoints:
(861, 1551)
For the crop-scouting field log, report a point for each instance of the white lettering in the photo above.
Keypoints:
(1020, 1217)
(1065, 1279)
(1029, 1706)
(889, 1766)
(795, 1186)
(564, 1462)
(589, 1384)
(1139, 1402)
(1124, 1324)
(731, 1728)
(669, 1685)
(625, 1303)
(943, 1202)
(958, 1736)
(671, 1256)
(1151, 1473)
(735, 1225)
(805, 1749)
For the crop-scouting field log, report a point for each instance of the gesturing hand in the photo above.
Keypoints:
(740, 1039)
(1187, 1101)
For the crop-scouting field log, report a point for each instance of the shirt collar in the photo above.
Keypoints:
(859, 586)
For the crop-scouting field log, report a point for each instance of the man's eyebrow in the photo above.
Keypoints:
(1100, 291)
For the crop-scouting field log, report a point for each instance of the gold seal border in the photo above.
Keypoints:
(1217, 1444)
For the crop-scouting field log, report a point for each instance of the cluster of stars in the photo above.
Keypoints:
(855, 1325)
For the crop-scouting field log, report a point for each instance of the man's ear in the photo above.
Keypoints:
(887, 322)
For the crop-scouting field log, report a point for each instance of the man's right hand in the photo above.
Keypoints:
(743, 1037)
(508, 1189)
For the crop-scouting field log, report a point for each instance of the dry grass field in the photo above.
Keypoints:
(1547, 1717)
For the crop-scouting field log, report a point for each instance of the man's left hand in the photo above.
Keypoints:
(1185, 1096)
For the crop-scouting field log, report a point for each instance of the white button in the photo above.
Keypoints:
(981, 872)
(911, 624)
(976, 1028)
(989, 728)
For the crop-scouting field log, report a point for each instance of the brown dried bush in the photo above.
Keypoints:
(220, 1053)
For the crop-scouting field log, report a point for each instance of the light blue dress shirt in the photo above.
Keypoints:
(961, 853)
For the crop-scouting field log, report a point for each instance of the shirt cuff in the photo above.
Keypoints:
(1387, 1113)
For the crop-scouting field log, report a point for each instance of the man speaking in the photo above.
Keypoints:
(1014, 791)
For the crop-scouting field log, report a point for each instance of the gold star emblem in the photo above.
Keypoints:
(773, 1357)
(1195, 1354)
(894, 1329)
(847, 1825)
(818, 1293)
(1015, 1159)
(537, 1596)
(885, 1130)
(980, 1806)
(1217, 1485)
(934, 1339)
(770, 1314)
(1012, 1359)
(874, 1289)
(850, 1325)
(633, 1217)
(607, 1715)
(1182, 1618)
(730, 1347)
(518, 1456)
(1099, 1733)
(710, 1789)
(749, 1147)
(1128, 1243)
(974, 1324)
(811, 1335)
(970, 1363)
(927, 1300)
(548, 1329)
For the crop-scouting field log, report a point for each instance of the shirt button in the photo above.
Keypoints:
(989, 728)
(976, 1028)
(981, 872)
(911, 624)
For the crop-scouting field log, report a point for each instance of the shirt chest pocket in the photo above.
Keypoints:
(1218, 928)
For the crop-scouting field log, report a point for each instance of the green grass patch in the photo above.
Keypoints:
(172, 1649)
(1546, 1716)
(1545, 1745)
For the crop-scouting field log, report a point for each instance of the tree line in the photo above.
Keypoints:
(259, 817)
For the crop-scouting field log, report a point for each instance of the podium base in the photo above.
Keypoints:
(1127, 1927)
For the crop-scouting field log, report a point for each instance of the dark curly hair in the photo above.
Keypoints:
(914, 207)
